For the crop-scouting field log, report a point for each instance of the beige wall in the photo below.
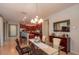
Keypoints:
(71, 13)
(1, 31)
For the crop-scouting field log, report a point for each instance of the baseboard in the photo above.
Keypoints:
(74, 52)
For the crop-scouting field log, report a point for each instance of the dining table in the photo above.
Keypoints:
(44, 47)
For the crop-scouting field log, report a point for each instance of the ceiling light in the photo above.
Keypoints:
(24, 18)
(37, 20)
(40, 21)
(36, 16)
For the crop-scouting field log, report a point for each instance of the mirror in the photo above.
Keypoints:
(62, 26)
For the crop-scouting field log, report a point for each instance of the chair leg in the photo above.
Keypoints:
(29, 53)
(59, 51)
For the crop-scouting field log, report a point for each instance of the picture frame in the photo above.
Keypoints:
(12, 30)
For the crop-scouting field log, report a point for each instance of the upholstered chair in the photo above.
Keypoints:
(43, 38)
(56, 44)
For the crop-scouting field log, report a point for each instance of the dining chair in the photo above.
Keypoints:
(43, 38)
(22, 50)
(56, 44)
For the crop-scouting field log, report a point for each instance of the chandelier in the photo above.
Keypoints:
(37, 20)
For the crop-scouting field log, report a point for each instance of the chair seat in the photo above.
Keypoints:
(26, 50)
(22, 49)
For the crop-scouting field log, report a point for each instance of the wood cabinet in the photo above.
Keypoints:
(65, 42)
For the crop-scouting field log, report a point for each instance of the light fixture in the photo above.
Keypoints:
(24, 18)
(37, 20)
(32, 21)
(40, 21)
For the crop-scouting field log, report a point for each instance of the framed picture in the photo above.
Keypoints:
(12, 30)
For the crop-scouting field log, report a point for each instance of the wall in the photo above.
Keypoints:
(1, 31)
(45, 30)
(71, 13)
(5, 31)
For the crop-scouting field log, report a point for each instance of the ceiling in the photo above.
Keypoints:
(16, 11)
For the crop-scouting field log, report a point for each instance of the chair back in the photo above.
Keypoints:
(44, 39)
(17, 42)
(56, 43)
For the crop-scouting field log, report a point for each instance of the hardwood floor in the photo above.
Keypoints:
(9, 48)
